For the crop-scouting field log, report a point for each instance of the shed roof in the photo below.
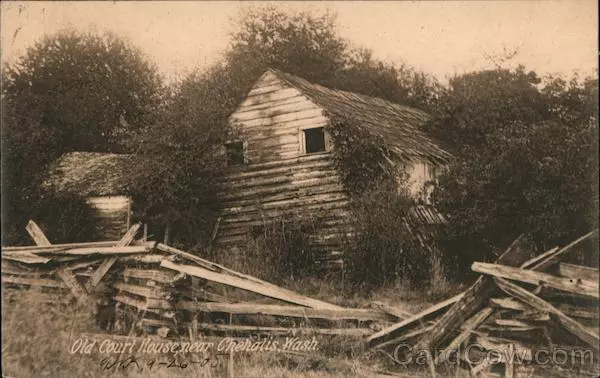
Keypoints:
(90, 173)
(398, 125)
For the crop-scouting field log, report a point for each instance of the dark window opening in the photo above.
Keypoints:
(314, 140)
(235, 153)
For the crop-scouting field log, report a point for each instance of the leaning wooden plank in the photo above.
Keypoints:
(475, 297)
(407, 336)
(28, 258)
(392, 310)
(570, 285)
(221, 269)
(574, 327)
(511, 323)
(578, 271)
(466, 328)
(270, 291)
(579, 312)
(278, 310)
(396, 329)
(30, 281)
(68, 278)
(509, 304)
(106, 250)
(549, 258)
(34, 248)
(109, 262)
(349, 332)
(37, 234)
(71, 281)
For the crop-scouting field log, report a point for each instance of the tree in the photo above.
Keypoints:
(525, 160)
(68, 92)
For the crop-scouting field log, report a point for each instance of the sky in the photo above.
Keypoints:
(439, 38)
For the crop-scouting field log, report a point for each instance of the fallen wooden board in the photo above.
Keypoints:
(57, 247)
(392, 310)
(475, 297)
(37, 234)
(106, 250)
(395, 330)
(578, 272)
(349, 332)
(574, 327)
(109, 262)
(278, 310)
(27, 258)
(542, 262)
(210, 266)
(466, 328)
(71, 281)
(509, 304)
(144, 304)
(578, 286)
(407, 336)
(162, 276)
(143, 291)
(270, 291)
(40, 282)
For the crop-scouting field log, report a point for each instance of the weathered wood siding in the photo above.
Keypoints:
(113, 216)
(279, 179)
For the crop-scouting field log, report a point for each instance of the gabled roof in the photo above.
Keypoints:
(90, 173)
(398, 125)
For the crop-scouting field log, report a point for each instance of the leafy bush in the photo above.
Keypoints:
(64, 218)
(279, 250)
(380, 251)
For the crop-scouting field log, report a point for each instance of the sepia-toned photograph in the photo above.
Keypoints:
(299, 189)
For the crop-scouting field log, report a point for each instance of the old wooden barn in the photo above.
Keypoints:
(282, 165)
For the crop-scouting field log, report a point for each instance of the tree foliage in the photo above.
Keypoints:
(68, 92)
(526, 160)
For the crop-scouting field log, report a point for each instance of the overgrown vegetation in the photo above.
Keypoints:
(68, 92)
(526, 155)
(279, 250)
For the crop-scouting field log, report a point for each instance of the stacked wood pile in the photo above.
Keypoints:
(147, 287)
(540, 309)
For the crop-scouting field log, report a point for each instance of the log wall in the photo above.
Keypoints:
(280, 180)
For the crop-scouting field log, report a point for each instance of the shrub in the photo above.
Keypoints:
(382, 250)
(64, 218)
(279, 250)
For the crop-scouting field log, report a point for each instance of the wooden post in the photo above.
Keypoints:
(167, 232)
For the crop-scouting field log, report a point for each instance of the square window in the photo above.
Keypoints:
(235, 153)
(314, 140)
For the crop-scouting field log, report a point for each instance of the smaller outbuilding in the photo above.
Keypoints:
(102, 179)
